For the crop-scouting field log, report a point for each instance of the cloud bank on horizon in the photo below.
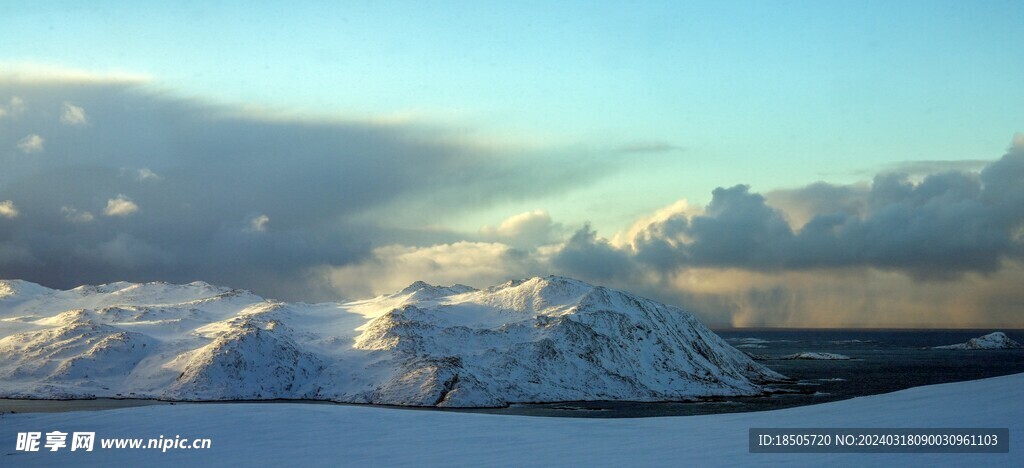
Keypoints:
(106, 181)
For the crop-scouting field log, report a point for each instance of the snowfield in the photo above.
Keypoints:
(292, 434)
(537, 340)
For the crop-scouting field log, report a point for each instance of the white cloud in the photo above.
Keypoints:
(146, 174)
(120, 206)
(31, 144)
(1018, 142)
(13, 108)
(680, 208)
(394, 267)
(142, 175)
(73, 115)
(8, 210)
(528, 229)
(72, 214)
(259, 223)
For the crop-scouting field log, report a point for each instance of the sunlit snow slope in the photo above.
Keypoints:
(538, 340)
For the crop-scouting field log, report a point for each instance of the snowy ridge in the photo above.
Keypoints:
(995, 340)
(537, 340)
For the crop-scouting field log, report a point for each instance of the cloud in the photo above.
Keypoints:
(587, 256)
(120, 206)
(528, 229)
(392, 267)
(737, 229)
(259, 223)
(1017, 144)
(8, 210)
(333, 190)
(72, 214)
(14, 107)
(72, 114)
(142, 175)
(948, 224)
(862, 297)
(145, 174)
(803, 204)
(667, 216)
(923, 168)
(945, 250)
(32, 143)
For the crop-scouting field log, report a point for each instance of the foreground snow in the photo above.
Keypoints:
(332, 435)
(995, 340)
(538, 340)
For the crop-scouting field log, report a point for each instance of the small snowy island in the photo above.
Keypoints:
(995, 340)
(537, 340)
(812, 356)
(802, 356)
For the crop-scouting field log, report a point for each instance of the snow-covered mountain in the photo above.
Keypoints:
(537, 340)
(994, 340)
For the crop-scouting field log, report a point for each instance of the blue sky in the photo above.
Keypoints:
(651, 102)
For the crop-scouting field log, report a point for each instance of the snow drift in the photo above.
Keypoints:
(537, 340)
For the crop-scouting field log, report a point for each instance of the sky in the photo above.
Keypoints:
(799, 164)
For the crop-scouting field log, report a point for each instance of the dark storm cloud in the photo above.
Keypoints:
(948, 224)
(803, 204)
(132, 185)
(592, 258)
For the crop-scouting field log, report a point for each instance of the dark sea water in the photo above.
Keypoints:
(882, 362)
